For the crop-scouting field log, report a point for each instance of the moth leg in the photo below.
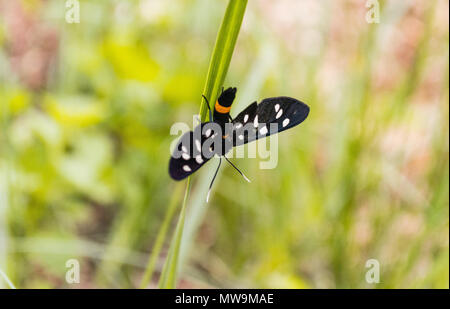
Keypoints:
(242, 174)
(214, 178)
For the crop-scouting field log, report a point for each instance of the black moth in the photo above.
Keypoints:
(221, 133)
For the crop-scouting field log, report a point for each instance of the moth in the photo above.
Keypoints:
(221, 133)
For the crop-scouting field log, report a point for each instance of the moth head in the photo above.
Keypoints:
(227, 97)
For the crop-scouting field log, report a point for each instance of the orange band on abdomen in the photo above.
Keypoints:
(221, 109)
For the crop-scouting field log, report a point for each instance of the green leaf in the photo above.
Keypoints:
(223, 50)
(160, 238)
(218, 67)
(7, 280)
(169, 272)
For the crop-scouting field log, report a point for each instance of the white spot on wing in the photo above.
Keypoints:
(263, 130)
(285, 122)
(208, 133)
(277, 107)
(255, 122)
(238, 126)
(184, 149)
(185, 156)
(241, 137)
(199, 159)
(198, 145)
(279, 114)
(186, 168)
(245, 118)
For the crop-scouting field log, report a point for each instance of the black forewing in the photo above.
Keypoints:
(243, 121)
(255, 121)
(250, 111)
(190, 152)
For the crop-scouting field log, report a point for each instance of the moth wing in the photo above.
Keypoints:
(243, 121)
(189, 153)
(271, 116)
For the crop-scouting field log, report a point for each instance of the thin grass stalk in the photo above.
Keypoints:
(160, 238)
(7, 280)
(222, 53)
(170, 269)
(218, 68)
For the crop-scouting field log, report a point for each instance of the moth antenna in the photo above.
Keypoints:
(209, 108)
(212, 181)
(242, 174)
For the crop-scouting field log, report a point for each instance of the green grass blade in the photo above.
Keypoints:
(223, 50)
(7, 280)
(218, 67)
(169, 272)
(160, 239)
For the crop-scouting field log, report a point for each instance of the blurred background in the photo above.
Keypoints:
(86, 110)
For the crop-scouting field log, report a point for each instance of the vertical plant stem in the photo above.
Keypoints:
(223, 50)
(5, 277)
(218, 68)
(169, 272)
(160, 238)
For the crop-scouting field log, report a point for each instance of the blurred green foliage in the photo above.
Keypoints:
(86, 111)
